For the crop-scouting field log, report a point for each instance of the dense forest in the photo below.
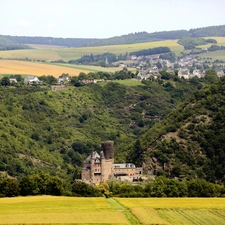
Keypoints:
(173, 127)
(99, 60)
(137, 37)
(7, 44)
(190, 141)
(151, 51)
(191, 43)
(54, 131)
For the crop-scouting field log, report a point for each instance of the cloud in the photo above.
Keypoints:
(24, 23)
(51, 25)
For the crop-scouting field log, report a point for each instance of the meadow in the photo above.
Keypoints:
(71, 210)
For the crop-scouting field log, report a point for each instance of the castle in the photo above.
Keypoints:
(100, 168)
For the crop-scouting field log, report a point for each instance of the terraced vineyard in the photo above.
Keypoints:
(70, 210)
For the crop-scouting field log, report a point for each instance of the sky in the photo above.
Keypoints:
(106, 18)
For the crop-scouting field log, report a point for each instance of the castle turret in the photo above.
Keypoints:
(102, 158)
(92, 166)
(108, 160)
(108, 150)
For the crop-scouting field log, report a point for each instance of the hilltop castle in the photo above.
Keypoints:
(100, 168)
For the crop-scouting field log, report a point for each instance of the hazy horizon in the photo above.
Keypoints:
(105, 19)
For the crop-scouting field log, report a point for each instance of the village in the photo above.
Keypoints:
(188, 66)
(144, 68)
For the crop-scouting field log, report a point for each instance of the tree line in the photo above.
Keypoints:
(151, 51)
(137, 37)
(98, 60)
(191, 43)
(46, 184)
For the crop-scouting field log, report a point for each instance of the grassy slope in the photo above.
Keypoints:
(55, 53)
(92, 68)
(50, 53)
(215, 54)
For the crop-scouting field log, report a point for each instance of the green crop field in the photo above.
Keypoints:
(177, 211)
(214, 55)
(134, 211)
(49, 53)
(59, 210)
(92, 68)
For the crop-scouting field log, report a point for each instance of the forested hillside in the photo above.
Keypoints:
(8, 44)
(53, 131)
(137, 37)
(189, 143)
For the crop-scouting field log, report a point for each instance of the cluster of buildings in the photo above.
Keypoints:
(182, 73)
(33, 80)
(99, 168)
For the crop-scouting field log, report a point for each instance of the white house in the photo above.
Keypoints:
(184, 73)
(29, 80)
(198, 73)
(220, 73)
(63, 79)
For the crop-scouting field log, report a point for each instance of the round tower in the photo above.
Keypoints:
(108, 149)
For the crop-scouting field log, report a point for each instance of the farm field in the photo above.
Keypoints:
(38, 69)
(177, 211)
(50, 53)
(214, 55)
(93, 68)
(59, 210)
(134, 211)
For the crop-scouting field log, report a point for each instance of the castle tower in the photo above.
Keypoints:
(108, 149)
(102, 159)
(92, 166)
(107, 163)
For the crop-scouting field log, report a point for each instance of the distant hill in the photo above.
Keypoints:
(138, 37)
(69, 42)
(8, 44)
(189, 143)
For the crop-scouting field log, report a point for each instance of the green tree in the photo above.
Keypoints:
(9, 187)
(5, 81)
(83, 189)
(41, 183)
(28, 186)
(211, 76)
